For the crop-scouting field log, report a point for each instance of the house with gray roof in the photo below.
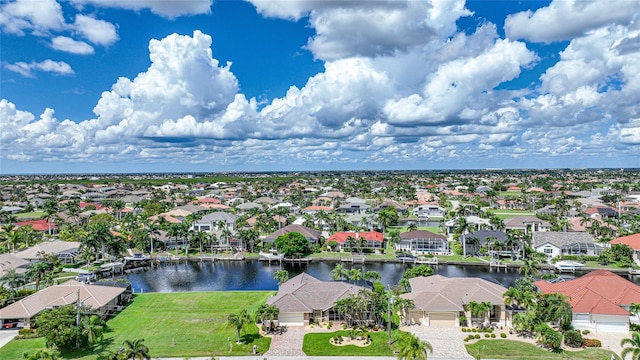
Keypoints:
(423, 242)
(103, 300)
(471, 243)
(312, 235)
(527, 224)
(211, 222)
(554, 243)
(442, 302)
(305, 299)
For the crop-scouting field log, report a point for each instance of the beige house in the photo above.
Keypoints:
(303, 299)
(441, 301)
(104, 300)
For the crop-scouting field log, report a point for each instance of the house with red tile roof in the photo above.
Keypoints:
(633, 241)
(372, 239)
(39, 225)
(600, 300)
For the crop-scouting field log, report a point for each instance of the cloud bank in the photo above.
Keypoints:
(400, 83)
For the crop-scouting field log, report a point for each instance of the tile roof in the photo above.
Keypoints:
(421, 234)
(440, 293)
(305, 293)
(305, 231)
(598, 292)
(94, 296)
(341, 237)
(38, 225)
(632, 240)
(561, 239)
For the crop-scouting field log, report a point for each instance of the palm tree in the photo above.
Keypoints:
(281, 276)
(238, 321)
(11, 279)
(635, 310)
(412, 348)
(338, 272)
(412, 226)
(266, 312)
(634, 346)
(136, 349)
(372, 276)
(530, 267)
(92, 327)
(37, 272)
(51, 208)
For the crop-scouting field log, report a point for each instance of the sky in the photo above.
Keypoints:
(111, 86)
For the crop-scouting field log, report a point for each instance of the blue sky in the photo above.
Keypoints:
(112, 86)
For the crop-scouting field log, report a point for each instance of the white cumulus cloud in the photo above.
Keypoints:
(67, 44)
(27, 69)
(165, 8)
(97, 31)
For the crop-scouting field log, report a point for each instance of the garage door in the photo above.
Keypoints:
(291, 319)
(615, 327)
(442, 319)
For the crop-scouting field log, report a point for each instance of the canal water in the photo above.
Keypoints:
(258, 275)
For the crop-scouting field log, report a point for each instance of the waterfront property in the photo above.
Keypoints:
(423, 242)
(65, 251)
(103, 300)
(555, 244)
(372, 240)
(600, 300)
(633, 241)
(442, 302)
(471, 243)
(305, 299)
(310, 234)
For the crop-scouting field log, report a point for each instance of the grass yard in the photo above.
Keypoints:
(458, 258)
(510, 349)
(317, 344)
(29, 216)
(174, 325)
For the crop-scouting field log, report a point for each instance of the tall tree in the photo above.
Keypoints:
(239, 321)
(631, 346)
(51, 208)
(281, 276)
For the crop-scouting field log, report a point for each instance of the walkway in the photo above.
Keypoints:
(447, 343)
(6, 336)
(287, 344)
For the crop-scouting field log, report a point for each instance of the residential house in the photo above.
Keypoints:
(216, 221)
(441, 301)
(527, 224)
(40, 225)
(66, 251)
(371, 240)
(600, 300)
(601, 212)
(423, 242)
(633, 241)
(428, 210)
(554, 244)
(103, 300)
(312, 235)
(471, 243)
(305, 299)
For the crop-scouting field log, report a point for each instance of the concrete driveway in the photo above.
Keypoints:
(6, 336)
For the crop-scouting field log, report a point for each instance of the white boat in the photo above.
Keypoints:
(566, 266)
(633, 271)
(137, 257)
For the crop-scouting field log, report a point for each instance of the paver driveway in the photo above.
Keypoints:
(288, 343)
(447, 343)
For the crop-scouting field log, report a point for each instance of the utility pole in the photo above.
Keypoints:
(78, 320)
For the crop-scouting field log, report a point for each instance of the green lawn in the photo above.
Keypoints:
(174, 325)
(458, 258)
(29, 216)
(510, 349)
(433, 229)
(317, 344)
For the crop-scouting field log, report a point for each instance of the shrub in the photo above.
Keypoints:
(585, 332)
(330, 325)
(493, 336)
(25, 331)
(477, 336)
(464, 329)
(573, 338)
(503, 335)
(486, 335)
(592, 343)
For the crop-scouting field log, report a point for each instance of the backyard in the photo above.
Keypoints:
(172, 325)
